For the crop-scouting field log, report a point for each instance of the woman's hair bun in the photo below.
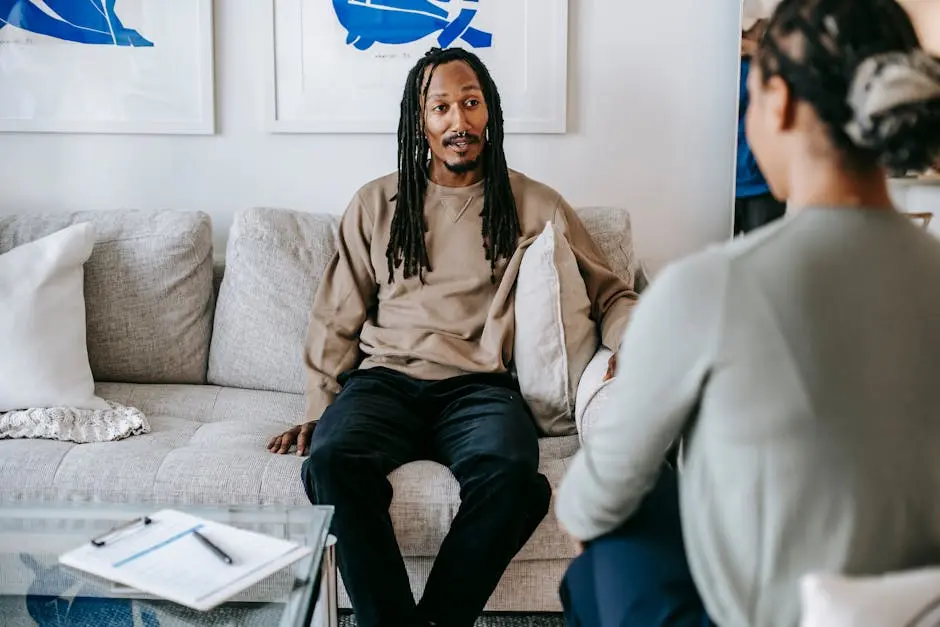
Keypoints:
(895, 101)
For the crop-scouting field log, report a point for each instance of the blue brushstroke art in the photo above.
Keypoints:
(57, 599)
(398, 22)
(79, 21)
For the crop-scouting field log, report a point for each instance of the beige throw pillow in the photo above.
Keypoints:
(555, 337)
(44, 361)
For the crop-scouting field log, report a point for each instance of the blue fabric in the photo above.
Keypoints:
(637, 574)
(750, 181)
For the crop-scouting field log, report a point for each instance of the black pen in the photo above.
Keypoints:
(222, 555)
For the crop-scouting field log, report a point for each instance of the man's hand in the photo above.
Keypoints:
(300, 434)
(611, 368)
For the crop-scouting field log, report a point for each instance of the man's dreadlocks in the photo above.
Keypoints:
(500, 222)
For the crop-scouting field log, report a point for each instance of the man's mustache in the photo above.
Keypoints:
(469, 138)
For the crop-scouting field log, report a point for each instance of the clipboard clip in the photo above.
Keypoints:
(120, 530)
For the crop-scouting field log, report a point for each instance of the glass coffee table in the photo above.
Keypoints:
(36, 591)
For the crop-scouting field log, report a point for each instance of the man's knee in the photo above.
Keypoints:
(510, 468)
(329, 459)
(515, 476)
(309, 474)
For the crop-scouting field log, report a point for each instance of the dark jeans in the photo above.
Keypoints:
(476, 425)
(637, 574)
(755, 211)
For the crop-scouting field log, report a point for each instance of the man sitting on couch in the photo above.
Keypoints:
(423, 284)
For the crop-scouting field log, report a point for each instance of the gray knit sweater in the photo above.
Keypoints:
(802, 366)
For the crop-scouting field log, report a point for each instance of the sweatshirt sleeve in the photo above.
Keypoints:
(612, 299)
(673, 343)
(346, 294)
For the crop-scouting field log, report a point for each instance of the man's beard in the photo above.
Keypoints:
(464, 166)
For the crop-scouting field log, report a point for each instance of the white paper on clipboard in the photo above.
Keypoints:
(165, 559)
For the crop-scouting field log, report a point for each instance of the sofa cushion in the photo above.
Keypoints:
(148, 290)
(611, 230)
(427, 498)
(526, 587)
(207, 446)
(274, 261)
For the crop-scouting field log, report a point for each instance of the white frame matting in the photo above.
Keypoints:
(320, 82)
(54, 85)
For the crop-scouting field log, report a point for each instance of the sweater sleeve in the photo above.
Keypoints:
(347, 293)
(612, 299)
(672, 342)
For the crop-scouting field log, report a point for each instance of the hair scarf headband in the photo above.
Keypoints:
(883, 83)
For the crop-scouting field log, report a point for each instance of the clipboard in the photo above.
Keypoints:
(163, 555)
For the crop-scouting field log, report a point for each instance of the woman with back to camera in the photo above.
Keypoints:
(798, 365)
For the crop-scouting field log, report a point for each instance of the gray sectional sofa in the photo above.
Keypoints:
(213, 359)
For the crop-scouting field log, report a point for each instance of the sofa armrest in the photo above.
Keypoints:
(591, 394)
(643, 277)
(590, 386)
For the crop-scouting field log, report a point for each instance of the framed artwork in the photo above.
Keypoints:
(107, 66)
(339, 66)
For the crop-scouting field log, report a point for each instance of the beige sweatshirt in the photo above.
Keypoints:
(458, 322)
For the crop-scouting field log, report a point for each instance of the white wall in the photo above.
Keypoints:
(919, 196)
(651, 127)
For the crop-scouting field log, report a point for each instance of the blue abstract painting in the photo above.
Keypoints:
(66, 606)
(79, 21)
(398, 22)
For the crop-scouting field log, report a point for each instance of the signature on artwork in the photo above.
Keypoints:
(92, 22)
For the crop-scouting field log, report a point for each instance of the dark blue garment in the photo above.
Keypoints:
(637, 574)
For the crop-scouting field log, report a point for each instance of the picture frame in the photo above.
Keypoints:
(108, 66)
(340, 66)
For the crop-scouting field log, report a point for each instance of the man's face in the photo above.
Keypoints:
(455, 117)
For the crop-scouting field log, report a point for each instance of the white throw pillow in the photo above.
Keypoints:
(555, 337)
(44, 361)
(900, 599)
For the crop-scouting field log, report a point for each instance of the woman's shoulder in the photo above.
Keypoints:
(696, 277)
